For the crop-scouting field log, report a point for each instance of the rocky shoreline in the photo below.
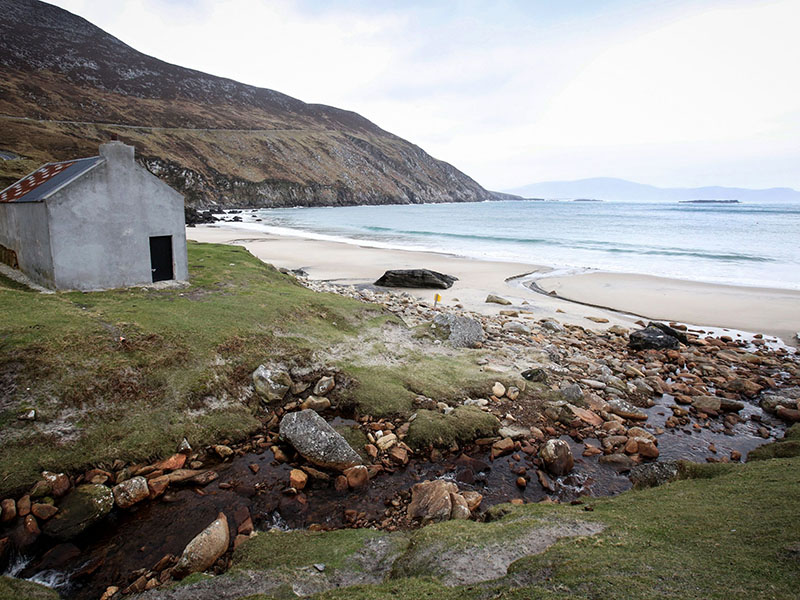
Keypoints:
(563, 397)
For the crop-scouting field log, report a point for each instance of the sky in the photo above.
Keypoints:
(666, 92)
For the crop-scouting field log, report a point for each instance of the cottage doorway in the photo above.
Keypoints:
(161, 258)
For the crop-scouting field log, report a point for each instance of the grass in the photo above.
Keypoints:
(181, 370)
(719, 533)
(18, 589)
(463, 425)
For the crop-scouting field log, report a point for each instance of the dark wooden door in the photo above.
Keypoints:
(161, 257)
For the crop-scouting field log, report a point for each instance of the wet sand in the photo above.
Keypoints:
(759, 310)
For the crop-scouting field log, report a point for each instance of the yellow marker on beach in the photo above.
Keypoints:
(436, 299)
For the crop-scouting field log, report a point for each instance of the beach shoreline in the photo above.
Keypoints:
(581, 299)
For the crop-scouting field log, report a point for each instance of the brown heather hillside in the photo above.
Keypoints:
(67, 85)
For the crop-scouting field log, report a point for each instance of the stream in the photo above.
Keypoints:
(254, 485)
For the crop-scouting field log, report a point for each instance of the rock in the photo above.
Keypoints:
(131, 491)
(81, 508)
(185, 447)
(572, 393)
(514, 432)
(298, 479)
(638, 432)
(28, 415)
(460, 508)
(399, 454)
(556, 457)
(504, 446)
(536, 374)
(51, 484)
(43, 511)
(191, 476)
(512, 393)
(430, 500)
(176, 461)
(670, 331)
(652, 338)
(316, 403)
(340, 484)
(706, 404)
(498, 390)
(626, 410)
(791, 415)
(647, 449)
(516, 327)
(31, 526)
(416, 278)
(473, 499)
(771, 403)
(157, 486)
(9, 510)
(620, 462)
(24, 506)
(386, 441)
(587, 416)
(617, 330)
(597, 319)
(491, 298)
(271, 384)
(728, 405)
(653, 474)
(317, 441)
(553, 326)
(461, 331)
(222, 451)
(357, 477)
(324, 385)
(204, 550)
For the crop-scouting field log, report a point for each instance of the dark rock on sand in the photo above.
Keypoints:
(671, 331)
(416, 278)
(652, 338)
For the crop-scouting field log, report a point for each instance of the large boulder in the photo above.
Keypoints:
(271, 384)
(671, 331)
(626, 410)
(81, 508)
(556, 457)
(652, 338)
(416, 278)
(316, 440)
(653, 474)
(461, 331)
(204, 550)
(131, 491)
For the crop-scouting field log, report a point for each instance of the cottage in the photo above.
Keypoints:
(94, 223)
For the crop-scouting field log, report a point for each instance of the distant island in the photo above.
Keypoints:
(587, 200)
(708, 202)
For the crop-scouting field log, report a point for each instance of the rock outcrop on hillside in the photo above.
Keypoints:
(68, 85)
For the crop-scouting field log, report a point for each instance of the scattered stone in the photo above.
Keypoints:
(81, 508)
(317, 441)
(598, 319)
(24, 506)
(9, 510)
(316, 403)
(222, 451)
(431, 501)
(512, 393)
(556, 457)
(185, 447)
(626, 410)
(620, 462)
(271, 385)
(772, 402)
(791, 415)
(514, 432)
(416, 278)
(670, 331)
(51, 484)
(31, 526)
(617, 330)
(536, 374)
(324, 385)
(399, 454)
(131, 491)
(298, 479)
(204, 550)
(386, 441)
(473, 499)
(493, 299)
(504, 446)
(516, 327)
(553, 326)
(498, 389)
(357, 477)
(43, 511)
(176, 461)
(706, 404)
(572, 393)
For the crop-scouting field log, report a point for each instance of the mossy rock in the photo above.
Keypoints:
(465, 424)
(780, 449)
(81, 508)
(17, 589)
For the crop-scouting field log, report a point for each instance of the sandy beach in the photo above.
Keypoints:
(621, 298)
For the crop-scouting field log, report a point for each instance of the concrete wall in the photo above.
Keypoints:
(101, 224)
(23, 229)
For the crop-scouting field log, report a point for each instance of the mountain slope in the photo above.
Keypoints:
(609, 188)
(67, 85)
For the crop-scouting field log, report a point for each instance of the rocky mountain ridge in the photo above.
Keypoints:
(68, 86)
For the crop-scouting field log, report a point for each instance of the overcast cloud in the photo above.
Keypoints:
(672, 93)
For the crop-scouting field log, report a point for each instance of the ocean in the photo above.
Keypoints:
(742, 244)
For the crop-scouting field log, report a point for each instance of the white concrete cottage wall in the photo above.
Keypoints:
(24, 229)
(101, 224)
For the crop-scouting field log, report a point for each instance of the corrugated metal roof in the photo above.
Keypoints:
(47, 179)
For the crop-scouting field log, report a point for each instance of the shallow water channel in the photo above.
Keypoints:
(138, 538)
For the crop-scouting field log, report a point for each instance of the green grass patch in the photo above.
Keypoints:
(463, 425)
(17, 589)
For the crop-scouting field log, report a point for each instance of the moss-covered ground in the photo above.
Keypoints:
(718, 533)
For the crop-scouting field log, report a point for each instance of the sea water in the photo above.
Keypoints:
(749, 244)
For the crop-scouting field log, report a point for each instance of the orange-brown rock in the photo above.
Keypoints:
(176, 461)
(298, 479)
(43, 511)
(357, 477)
(430, 500)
